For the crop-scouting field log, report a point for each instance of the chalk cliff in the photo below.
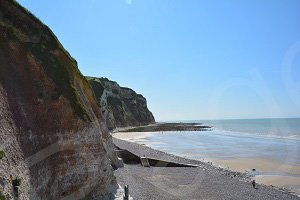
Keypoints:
(54, 143)
(120, 106)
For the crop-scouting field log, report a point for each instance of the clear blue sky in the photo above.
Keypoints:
(191, 59)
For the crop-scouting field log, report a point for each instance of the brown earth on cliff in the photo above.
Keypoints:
(121, 107)
(53, 135)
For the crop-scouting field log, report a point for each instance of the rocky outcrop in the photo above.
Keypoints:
(53, 136)
(120, 106)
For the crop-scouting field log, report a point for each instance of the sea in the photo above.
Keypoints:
(277, 139)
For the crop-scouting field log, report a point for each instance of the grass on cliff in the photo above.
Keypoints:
(59, 74)
(21, 24)
(2, 197)
(46, 42)
(104, 79)
(1, 154)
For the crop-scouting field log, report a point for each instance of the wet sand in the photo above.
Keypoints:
(268, 172)
(260, 165)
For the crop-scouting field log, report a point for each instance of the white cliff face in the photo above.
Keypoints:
(70, 165)
(107, 110)
(80, 172)
(53, 135)
(120, 106)
(13, 164)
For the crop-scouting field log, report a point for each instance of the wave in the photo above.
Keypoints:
(257, 134)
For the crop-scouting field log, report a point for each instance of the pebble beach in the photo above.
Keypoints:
(204, 182)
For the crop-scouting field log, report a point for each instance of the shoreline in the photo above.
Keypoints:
(225, 176)
(268, 171)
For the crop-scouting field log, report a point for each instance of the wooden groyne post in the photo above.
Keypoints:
(126, 193)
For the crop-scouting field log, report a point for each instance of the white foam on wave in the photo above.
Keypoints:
(255, 135)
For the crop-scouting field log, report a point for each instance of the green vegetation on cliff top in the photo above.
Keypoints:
(43, 50)
(57, 71)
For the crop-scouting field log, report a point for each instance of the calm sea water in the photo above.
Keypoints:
(277, 139)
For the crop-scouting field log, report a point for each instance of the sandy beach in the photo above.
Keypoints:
(204, 182)
(262, 167)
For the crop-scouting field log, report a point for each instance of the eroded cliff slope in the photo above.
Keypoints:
(53, 137)
(120, 106)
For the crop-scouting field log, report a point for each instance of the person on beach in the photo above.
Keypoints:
(253, 184)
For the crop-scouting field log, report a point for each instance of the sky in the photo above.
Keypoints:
(191, 59)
